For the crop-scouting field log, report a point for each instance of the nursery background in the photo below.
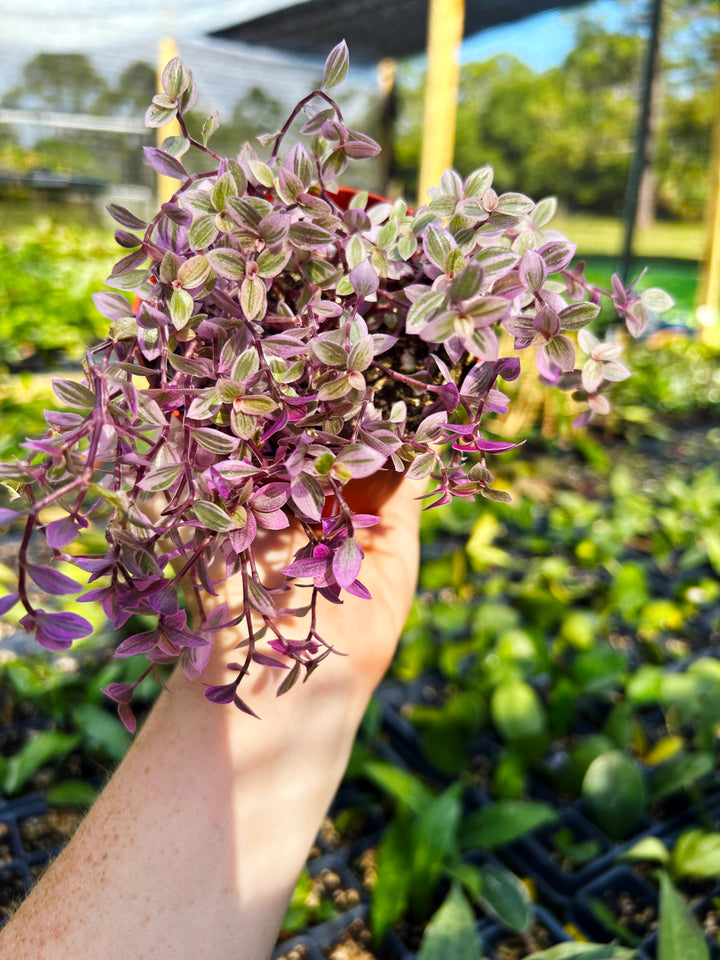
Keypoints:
(540, 768)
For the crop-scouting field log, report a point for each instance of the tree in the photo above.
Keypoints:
(66, 82)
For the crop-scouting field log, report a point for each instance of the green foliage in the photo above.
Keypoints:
(307, 907)
(614, 791)
(533, 129)
(47, 273)
(680, 934)
(452, 932)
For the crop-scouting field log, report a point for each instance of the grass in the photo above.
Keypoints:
(603, 236)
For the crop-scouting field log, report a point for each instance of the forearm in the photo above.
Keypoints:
(194, 847)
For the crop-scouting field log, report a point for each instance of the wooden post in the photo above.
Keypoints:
(446, 20)
(709, 288)
(166, 186)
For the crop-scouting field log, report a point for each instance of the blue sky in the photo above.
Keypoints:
(541, 41)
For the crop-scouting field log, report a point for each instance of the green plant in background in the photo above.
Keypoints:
(694, 855)
(47, 273)
(63, 704)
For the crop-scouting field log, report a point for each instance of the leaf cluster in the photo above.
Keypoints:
(283, 341)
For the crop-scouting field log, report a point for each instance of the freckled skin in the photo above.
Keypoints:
(171, 863)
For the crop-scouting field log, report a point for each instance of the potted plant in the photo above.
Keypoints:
(280, 347)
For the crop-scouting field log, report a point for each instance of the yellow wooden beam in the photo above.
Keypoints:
(166, 186)
(446, 20)
(709, 286)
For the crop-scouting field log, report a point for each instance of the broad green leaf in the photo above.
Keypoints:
(73, 793)
(41, 749)
(649, 848)
(697, 854)
(399, 784)
(102, 731)
(584, 951)
(505, 896)
(391, 893)
(680, 936)
(436, 839)
(614, 791)
(517, 711)
(452, 931)
(504, 821)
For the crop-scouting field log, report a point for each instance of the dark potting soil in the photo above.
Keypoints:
(6, 853)
(12, 892)
(514, 946)
(298, 952)
(354, 944)
(47, 830)
(631, 912)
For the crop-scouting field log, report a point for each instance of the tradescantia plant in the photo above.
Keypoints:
(280, 343)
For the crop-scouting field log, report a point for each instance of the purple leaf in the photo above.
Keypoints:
(164, 163)
(127, 716)
(361, 461)
(307, 495)
(364, 279)
(241, 705)
(358, 589)
(347, 561)
(58, 630)
(124, 217)
(138, 643)
(61, 532)
(221, 693)
(266, 661)
(52, 581)
(8, 516)
(112, 306)
(7, 603)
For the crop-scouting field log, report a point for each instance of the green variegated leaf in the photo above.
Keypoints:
(308, 235)
(478, 182)
(161, 478)
(225, 187)
(407, 247)
(544, 211)
(253, 298)
(437, 246)
(262, 173)
(247, 364)
(181, 308)
(213, 517)
(270, 264)
(215, 441)
(227, 263)
(209, 126)
(334, 389)
(423, 309)
(656, 300)
(514, 204)
(194, 272)
(578, 315)
(255, 405)
(336, 66)
(74, 394)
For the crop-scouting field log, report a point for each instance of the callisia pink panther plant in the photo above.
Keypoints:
(266, 347)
